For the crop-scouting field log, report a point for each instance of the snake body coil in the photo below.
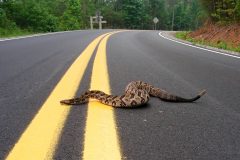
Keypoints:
(136, 93)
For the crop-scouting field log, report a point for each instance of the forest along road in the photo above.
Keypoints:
(36, 73)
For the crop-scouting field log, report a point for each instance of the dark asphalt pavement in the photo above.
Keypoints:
(207, 129)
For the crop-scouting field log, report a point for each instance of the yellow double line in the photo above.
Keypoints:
(40, 139)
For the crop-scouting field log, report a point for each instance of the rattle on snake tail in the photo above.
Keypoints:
(136, 93)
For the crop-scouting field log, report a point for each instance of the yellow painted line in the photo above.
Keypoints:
(40, 138)
(101, 140)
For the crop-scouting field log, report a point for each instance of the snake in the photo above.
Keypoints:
(136, 93)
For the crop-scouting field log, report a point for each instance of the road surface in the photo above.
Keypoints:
(37, 72)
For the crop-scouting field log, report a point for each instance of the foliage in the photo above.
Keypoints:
(182, 35)
(56, 15)
(223, 11)
(220, 44)
(4, 21)
(133, 13)
(237, 11)
(71, 18)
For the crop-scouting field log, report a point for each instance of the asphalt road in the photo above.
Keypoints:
(208, 129)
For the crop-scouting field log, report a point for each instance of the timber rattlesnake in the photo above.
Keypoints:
(136, 93)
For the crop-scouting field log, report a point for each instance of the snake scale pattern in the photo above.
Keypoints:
(136, 93)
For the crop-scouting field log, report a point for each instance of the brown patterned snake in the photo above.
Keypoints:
(136, 93)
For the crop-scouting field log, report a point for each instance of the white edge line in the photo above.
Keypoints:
(160, 34)
(34, 35)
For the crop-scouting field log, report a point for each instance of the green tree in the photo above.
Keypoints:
(222, 11)
(54, 15)
(155, 8)
(114, 18)
(88, 9)
(38, 19)
(133, 15)
(71, 18)
(4, 21)
(237, 10)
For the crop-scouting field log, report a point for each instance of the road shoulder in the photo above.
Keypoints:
(33, 35)
(171, 35)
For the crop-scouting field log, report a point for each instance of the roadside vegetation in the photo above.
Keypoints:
(222, 28)
(33, 16)
(209, 22)
(221, 44)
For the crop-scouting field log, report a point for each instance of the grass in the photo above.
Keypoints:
(6, 33)
(220, 44)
